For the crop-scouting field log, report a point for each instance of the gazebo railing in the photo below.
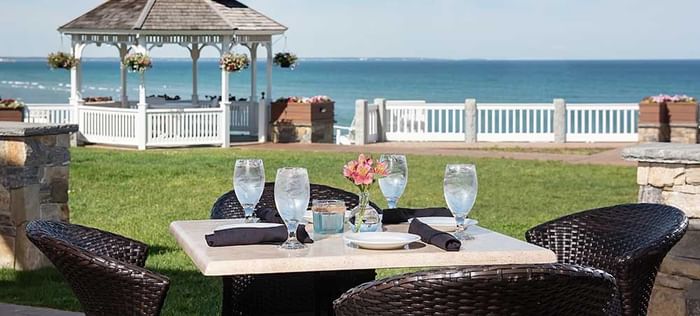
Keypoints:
(179, 126)
(108, 125)
(49, 113)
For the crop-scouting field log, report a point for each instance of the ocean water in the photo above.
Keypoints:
(346, 80)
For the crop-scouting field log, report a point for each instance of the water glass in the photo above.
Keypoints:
(328, 216)
(248, 183)
(460, 188)
(292, 194)
(394, 183)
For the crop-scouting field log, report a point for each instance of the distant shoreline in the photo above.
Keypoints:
(383, 59)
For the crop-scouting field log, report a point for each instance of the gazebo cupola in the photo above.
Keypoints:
(140, 25)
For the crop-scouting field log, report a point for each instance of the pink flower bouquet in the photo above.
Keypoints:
(363, 172)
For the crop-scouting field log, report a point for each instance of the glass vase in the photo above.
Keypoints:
(366, 217)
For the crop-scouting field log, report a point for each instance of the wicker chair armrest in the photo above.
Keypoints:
(660, 248)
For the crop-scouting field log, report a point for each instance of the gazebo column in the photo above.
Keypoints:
(194, 53)
(225, 104)
(123, 50)
(76, 74)
(254, 77)
(141, 119)
(263, 106)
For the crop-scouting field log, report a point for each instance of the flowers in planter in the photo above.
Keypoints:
(661, 98)
(312, 100)
(61, 60)
(285, 60)
(11, 104)
(138, 62)
(233, 62)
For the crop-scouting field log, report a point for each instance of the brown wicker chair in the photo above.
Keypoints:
(104, 270)
(288, 293)
(628, 241)
(548, 289)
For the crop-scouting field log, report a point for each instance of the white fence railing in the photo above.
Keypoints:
(515, 122)
(107, 125)
(411, 120)
(602, 122)
(244, 117)
(49, 113)
(178, 126)
(183, 127)
(496, 122)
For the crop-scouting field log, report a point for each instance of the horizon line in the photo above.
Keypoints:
(414, 58)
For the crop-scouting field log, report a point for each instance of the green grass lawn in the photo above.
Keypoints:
(138, 194)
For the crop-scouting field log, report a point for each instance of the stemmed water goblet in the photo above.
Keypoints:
(394, 183)
(460, 188)
(248, 183)
(292, 195)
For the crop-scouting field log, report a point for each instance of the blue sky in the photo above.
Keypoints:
(456, 29)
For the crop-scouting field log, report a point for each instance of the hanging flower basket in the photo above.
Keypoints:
(138, 62)
(61, 60)
(285, 60)
(232, 62)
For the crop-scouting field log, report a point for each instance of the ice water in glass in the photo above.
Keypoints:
(460, 188)
(248, 183)
(292, 195)
(394, 183)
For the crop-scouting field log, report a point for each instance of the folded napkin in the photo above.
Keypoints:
(402, 215)
(433, 236)
(251, 236)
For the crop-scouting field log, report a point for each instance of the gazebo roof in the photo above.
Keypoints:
(173, 16)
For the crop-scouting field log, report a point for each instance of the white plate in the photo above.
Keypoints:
(445, 224)
(381, 240)
(247, 225)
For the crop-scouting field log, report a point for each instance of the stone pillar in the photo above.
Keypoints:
(670, 174)
(361, 122)
(470, 115)
(559, 121)
(381, 128)
(34, 161)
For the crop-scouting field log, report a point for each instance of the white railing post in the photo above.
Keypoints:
(559, 121)
(225, 124)
(141, 127)
(361, 129)
(381, 119)
(470, 114)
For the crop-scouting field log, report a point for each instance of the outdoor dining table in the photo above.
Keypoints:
(330, 252)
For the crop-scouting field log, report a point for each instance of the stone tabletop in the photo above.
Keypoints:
(331, 254)
(664, 153)
(19, 129)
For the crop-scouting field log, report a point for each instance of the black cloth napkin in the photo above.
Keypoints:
(251, 236)
(401, 215)
(433, 236)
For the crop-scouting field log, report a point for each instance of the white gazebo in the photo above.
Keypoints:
(139, 26)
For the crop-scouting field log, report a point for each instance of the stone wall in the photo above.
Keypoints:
(34, 162)
(670, 174)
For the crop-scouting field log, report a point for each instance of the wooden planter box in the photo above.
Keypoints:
(682, 112)
(12, 115)
(302, 122)
(304, 113)
(653, 113)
